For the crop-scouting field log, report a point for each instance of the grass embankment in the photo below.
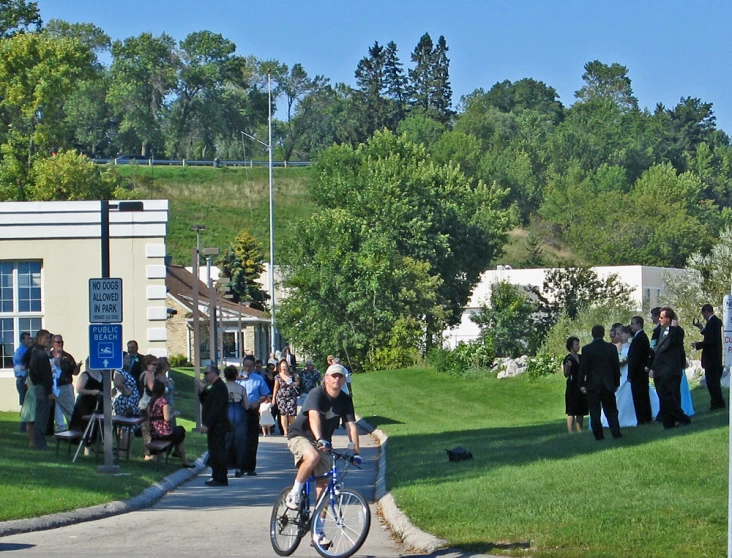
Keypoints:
(532, 489)
(225, 200)
(35, 483)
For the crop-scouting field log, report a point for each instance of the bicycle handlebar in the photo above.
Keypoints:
(354, 459)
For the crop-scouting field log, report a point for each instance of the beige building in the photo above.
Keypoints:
(48, 253)
(243, 330)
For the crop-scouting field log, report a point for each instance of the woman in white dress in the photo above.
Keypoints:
(624, 397)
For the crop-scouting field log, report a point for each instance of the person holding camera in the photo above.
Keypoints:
(89, 388)
(309, 438)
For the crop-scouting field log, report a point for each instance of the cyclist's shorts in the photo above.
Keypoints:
(299, 445)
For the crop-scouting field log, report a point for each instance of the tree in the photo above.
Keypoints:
(611, 83)
(243, 263)
(37, 74)
(18, 16)
(207, 64)
(569, 290)
(429, 79)
(371, 83)
(70, 176)
(525, 94)
(92, 37)
(143, 74)
(395, 84)
(420, 75)
(381, 205)
(507, 320)
(294, 86)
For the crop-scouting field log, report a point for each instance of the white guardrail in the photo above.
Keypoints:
(196, 163)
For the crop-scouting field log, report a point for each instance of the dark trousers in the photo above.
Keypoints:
(669, 396)
(250, 456)
(217, 455)
(714, 377)
(22, 389)
(641, 399)
(603, 400)
(43, 413)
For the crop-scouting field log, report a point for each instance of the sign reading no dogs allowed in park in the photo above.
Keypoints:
(105, 301)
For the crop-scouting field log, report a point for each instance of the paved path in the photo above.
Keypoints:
(196, 520)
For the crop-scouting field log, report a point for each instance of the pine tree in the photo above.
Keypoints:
(243, 263)
(440, 90)
(395, 83)
(420, 75)
(370, 81)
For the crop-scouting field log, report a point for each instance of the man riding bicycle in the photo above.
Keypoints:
(309, 437)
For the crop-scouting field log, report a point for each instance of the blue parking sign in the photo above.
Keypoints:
(105, 346)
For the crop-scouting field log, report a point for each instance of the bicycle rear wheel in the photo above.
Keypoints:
(344, 524)
(285, 529)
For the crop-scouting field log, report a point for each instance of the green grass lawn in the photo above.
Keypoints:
(532, 489)
(35, 483)
(225, 200)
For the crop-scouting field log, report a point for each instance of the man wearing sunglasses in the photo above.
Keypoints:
(309, 437)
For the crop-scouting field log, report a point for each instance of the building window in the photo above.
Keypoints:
(20, 305)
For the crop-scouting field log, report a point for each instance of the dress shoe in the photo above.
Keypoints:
(188, 465)
(238, 473)
(251, 474)
(618, 435)
(599, 438)
(213, 482)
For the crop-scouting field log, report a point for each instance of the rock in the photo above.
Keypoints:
(510, 368)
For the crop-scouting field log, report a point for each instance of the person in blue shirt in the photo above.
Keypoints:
(21, 374)
(257, 392)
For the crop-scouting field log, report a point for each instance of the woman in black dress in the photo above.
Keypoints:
(89, 387)
(575, 401)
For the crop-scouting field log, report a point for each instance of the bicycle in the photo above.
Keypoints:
(338, 526)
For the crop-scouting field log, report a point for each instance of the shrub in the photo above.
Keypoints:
(543, 364)
(178, 361)
(466, 360)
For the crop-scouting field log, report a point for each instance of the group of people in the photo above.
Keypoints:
(44, 374)
(237, 406)
(611, 381)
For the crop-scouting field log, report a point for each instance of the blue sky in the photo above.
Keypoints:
(672, 48)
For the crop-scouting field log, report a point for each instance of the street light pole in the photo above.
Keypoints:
(196, 324)
(209, 253)
(273, 328)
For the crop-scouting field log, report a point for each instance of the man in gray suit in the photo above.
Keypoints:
(600, 379)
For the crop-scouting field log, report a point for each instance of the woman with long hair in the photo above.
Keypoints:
(161, 413)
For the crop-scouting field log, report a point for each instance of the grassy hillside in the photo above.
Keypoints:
(229, 199)
(225, 200)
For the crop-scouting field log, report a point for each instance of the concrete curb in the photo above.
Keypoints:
(398, 521)
(144, 500)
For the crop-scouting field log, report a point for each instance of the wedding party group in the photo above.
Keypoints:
(610, 381)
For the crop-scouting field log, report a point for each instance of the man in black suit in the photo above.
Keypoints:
(215, 424)
(600, 379)
(668, 364)
(638, 355)
(711, 357)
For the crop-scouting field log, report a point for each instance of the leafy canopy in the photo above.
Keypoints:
(396, 239)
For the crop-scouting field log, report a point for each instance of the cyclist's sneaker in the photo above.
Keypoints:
(293, 500)
(322, 541)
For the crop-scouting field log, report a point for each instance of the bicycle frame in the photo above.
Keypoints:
(329, 491)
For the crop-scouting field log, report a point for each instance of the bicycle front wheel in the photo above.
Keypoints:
(340, 527)
(284, 526)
